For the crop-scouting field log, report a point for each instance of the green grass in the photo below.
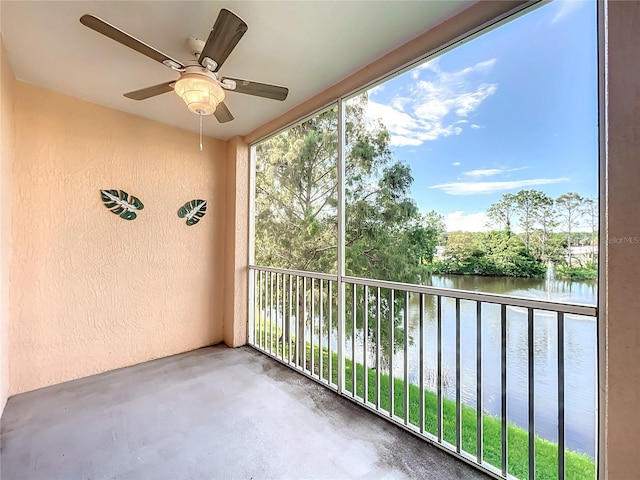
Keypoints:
(577, 466)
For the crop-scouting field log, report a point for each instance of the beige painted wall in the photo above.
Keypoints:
(622, 305)
(7, 135)
(237, 243)
(90, 291)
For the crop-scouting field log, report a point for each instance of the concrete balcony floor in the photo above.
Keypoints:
(211, 413)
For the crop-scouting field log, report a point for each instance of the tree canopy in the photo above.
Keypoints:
(386, 237)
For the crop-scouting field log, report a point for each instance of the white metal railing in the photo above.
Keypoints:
(371, 355)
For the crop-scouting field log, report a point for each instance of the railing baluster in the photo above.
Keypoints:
(439, 379)
(391, 328)
(253, 307)
(296, 328)
(532, 411)
(353, 340)
(479, 425)
(421, 363)
(406, 358)
(458, 382)
(260, 316)
(283, 313)
(283, 333)
(365, 334)
(303, 332)
(561, 432)
(265, 332)
(266, 311)
(313, 321)
(329, 329)
(320, 349)
(271, 313)
(290, 316)
(277, 310)
(503, 386)
(378, 356)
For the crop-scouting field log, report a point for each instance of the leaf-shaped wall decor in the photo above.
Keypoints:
(121, 203)
(193, 211)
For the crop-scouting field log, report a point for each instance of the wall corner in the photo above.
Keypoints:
(7, 149)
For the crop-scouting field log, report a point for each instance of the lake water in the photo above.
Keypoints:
(579, 347)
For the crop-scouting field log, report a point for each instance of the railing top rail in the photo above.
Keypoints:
(569, 308)
(301, 273)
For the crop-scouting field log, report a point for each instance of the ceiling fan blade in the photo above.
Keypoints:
(222, 113)
(151, 91)
(259, 89)
(124, 38)
(225, 35)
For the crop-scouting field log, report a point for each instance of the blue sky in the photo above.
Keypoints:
(515, 108)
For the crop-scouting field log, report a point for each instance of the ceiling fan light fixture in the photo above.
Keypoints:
(201, 93)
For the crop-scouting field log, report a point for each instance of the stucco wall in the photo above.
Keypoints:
(90, 291)
(7, 88)
(622, 390)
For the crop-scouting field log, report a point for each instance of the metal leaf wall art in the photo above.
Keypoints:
(193, 211)
(121, 203)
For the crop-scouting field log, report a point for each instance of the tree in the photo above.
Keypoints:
(501, 212)
(570, 208)
(545, 220)
(434, 228)
(494, 253)
(528, 204)
(508, 255)
(296, 191)
(296, 203)
(590, 210)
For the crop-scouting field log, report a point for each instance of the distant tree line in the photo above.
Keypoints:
(547, 234)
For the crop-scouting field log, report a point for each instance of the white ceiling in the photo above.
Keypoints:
(304, 45)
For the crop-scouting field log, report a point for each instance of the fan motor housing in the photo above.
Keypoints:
(195, 46)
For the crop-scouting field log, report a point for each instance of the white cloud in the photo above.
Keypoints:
(377, 89)
(471, 222)
(434, 104)
(455, 164)
(487, 172)
(476, 188)
(475, 126)
(468, 102)
(400, 141)
(565, 7)
(490, 172)
(485, 66)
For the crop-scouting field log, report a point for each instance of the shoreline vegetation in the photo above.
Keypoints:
(577, 465)
(504, 254)
(562, 272)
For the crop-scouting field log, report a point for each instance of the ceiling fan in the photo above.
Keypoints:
(199, 85)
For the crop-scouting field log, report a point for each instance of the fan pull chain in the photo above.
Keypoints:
(200, 132)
